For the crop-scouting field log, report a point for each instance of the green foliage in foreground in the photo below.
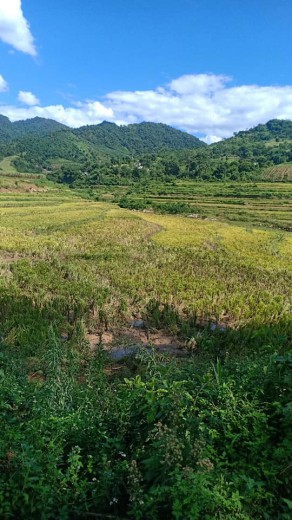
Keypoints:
(180, 441)
(173, 208)
(205, 437)
(183, 440)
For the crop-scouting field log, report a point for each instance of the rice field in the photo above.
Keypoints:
(266, 204)
(280, 172)
(195, 430)
(212, 269)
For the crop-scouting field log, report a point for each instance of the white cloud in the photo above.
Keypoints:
(3, 84)
(84, 114)
(28, 98)
(199, 83)
(202, 104)
(14, 28)
(205, 104)
(210, 139)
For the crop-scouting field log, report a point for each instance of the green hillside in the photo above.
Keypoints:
(110, 154)
(280, 172)
(6, 166)
(137, 138)
(37, 126)
(273, 129)
(38, 142)
(7, 132)
(275, 134)
(38, 152)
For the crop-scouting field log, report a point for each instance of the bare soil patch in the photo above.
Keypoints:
(7, 257)
(126, 341)
(37, 377)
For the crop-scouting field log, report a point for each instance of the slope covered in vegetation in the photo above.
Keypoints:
(40, 141)
(109, 154)
(138, 138)
(272, 139)
(37, 126)
(246, 156)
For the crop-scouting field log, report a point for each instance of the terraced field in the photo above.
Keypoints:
(201, 266)
(281, 172)
(260, 204)
(195, 422)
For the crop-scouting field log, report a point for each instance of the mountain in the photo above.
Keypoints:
(44, 143)
(6, 130)
(258, 150)
(273, 129)
(38, 126)
(271, 134)
(108, 153)
(137, 138)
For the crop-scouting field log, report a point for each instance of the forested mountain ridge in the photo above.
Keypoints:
(138, 138)
(275, 128)
(37, 141)
(37, 126)
(273, 133)
(110, 154)
(264, 152)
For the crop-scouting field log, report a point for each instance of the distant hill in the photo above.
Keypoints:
(38, 141)
(38, 126)
(111, 154)
(273, 129)
(137, 138)
(258, 149)
(7, 132)
(272, 133)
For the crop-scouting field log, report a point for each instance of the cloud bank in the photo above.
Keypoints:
(14, 28)
(201, 104)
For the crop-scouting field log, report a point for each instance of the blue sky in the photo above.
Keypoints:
(208, 67)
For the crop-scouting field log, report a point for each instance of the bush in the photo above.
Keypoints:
(181, 440)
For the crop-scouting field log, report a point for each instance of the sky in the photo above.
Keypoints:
(208, 67)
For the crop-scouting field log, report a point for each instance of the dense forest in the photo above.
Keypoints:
(242, 157)
(39, 142)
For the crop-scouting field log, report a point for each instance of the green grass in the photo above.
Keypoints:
(8, 170)
(6, 166)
